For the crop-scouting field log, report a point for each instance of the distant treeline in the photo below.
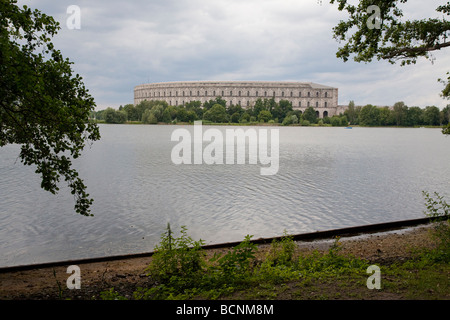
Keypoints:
(270, 111)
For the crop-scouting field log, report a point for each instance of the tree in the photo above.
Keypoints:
(209, 104)
(445, 115)
(115, 116)
(369, 116)
(149, 117)
(235, 117)
(245, 117)
(44, 107)
(386, 116)
(352, 113)
(310, 115)
(217, 113)
(259, 106)
(132, 112)
(415, 116)
(431, 116)
(264, 115)
(282, 109)
(400, 113)
(335, 121)
(380, 31)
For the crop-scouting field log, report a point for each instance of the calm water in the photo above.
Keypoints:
(328, 178)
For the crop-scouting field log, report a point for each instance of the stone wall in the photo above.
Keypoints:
(323, 99)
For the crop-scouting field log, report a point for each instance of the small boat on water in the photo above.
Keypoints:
(348, 127)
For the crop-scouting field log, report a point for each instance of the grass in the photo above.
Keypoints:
(181, 270)
(283, 273)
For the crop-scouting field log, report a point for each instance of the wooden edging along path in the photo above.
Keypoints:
(311, 236)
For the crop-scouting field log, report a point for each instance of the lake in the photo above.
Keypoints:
(328, 177)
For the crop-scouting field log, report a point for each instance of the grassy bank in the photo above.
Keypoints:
(181, 270)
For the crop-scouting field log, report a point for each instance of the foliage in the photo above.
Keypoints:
(44, 107)
(394, 38)
(217, 113)
(114, 116)
(310, 115)
(240, 271)
(439, 210)
(390, 36)
(330, 263)
(238, 259)
(180, 256)
(282, 251)
(264, 116)
(369, 116)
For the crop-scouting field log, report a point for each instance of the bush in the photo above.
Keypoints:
(439, 211)
(282, 251)
(180, 256)
(305, 123)
(238, 259)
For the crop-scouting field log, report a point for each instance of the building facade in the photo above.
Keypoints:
(323, 99)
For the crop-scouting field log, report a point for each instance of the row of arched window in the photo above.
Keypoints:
(300, 105)
(223, 93)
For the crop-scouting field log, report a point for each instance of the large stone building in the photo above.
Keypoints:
(323, 99)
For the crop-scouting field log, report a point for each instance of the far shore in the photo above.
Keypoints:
(265, 124)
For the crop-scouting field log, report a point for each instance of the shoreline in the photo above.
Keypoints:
(383, 247)
(266, 124)
(354, 231)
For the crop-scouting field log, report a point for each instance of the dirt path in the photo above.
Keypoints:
(96, 277)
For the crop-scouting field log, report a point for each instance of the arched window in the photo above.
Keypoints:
(326, 94)
(309, 94)
(317, 104)
(325, 114)
(317, 114)
(317, 93)
(282, 93)
(325, 104)
(265, 93)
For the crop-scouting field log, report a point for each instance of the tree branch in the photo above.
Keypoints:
(412, 52)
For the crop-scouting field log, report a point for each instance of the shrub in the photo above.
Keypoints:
(180, 256)
(282, 251)
(439, 211)
(305, 123)
(238, 259)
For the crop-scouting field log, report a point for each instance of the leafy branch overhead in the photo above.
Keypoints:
(375, 29)
(44, 107)
(392, 39)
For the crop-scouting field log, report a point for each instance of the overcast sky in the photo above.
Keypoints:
(122, 44)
